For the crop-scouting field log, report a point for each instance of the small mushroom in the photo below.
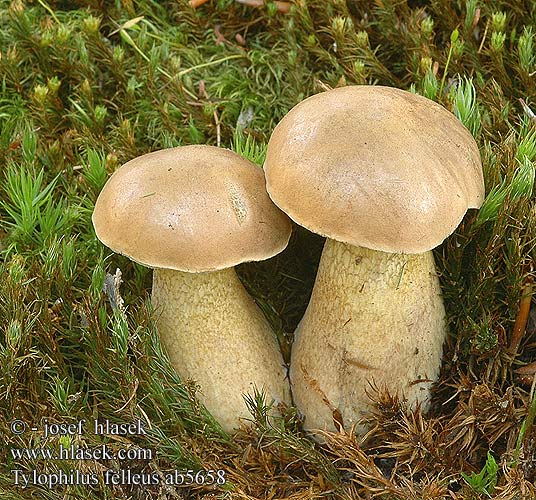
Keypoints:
(386, 176)
(192, 213)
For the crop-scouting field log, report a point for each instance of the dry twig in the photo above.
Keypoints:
(522, 317)
(197, 3)
(282, 7)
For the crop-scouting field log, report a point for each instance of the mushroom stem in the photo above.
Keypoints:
(373, 318)
(215, 334)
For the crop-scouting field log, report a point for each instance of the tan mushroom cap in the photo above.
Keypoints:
(376, 167)
(190, 208)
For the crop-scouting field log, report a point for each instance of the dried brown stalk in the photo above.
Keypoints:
(522, 317)
(527, 373)
(282, 7)
(197, 3)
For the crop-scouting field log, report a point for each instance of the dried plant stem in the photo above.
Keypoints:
(197, 3)
(529, 369)
(282, 7)
(522, 317)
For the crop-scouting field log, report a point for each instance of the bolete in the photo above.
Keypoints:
(386, 176)
(192, 213)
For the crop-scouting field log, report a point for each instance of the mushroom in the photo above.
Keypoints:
(386, 176)
(192, 213)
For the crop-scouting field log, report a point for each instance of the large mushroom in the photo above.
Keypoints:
(192, 213)
(386, 176)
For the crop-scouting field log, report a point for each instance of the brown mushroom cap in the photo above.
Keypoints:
(376, 167)
(190, 208)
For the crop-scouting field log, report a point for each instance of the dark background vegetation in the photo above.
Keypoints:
(88, 85)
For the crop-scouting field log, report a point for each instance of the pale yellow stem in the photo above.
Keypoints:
(373, 318)
(215, 334)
